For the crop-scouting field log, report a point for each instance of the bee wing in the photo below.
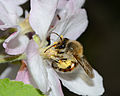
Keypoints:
(86, 66)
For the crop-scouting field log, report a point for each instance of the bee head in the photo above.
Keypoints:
(74, 47)
(62, 43)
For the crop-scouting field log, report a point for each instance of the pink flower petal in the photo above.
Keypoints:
(41, 15)
(23, 74)
(36, 67)
(1, 23)
(16, 43)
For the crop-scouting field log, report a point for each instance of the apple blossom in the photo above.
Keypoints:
(67, 19)
(71, 24)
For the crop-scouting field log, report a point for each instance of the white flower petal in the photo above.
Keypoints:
(26, 13)
(19, 2)
(12, 6)
(61, 4)
(19, 11)
(41, 15)
(10, 10)
(70, 8)
(16, 43)
(36, 67)
(55, 85)
(73, 26)
(77, 25)
(10, 71)
(5, 17)
(92, 87)
(16, 2)
(66, 8)
(76, 3)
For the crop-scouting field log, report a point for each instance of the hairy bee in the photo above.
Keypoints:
(66, 55)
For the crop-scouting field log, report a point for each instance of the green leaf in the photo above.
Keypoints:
(17, 88)
(11, 58)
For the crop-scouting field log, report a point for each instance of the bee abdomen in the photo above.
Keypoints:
(68, 69)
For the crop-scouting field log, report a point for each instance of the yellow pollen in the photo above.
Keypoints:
(55, 42)
(64, 64)
(60, 61)
(61, 36)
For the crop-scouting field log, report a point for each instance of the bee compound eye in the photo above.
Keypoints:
(63, 46)
(70, 46)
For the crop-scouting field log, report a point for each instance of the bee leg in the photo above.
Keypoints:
(63, 59)
(60, 52)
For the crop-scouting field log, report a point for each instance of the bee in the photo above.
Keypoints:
(66, 55)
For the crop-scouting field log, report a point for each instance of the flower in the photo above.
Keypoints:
(11, 21)
(17, 42)
(71, 24)
(10, 12)
(69, 20)
(10, 18)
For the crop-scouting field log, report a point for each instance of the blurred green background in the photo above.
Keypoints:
(101, 43)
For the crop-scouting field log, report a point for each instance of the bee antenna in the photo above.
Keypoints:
(54, 44)
(49, 48)
(57, 35)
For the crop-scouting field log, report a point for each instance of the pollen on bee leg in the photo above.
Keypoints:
(55, 42)
(60, 61)
(61, 36)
